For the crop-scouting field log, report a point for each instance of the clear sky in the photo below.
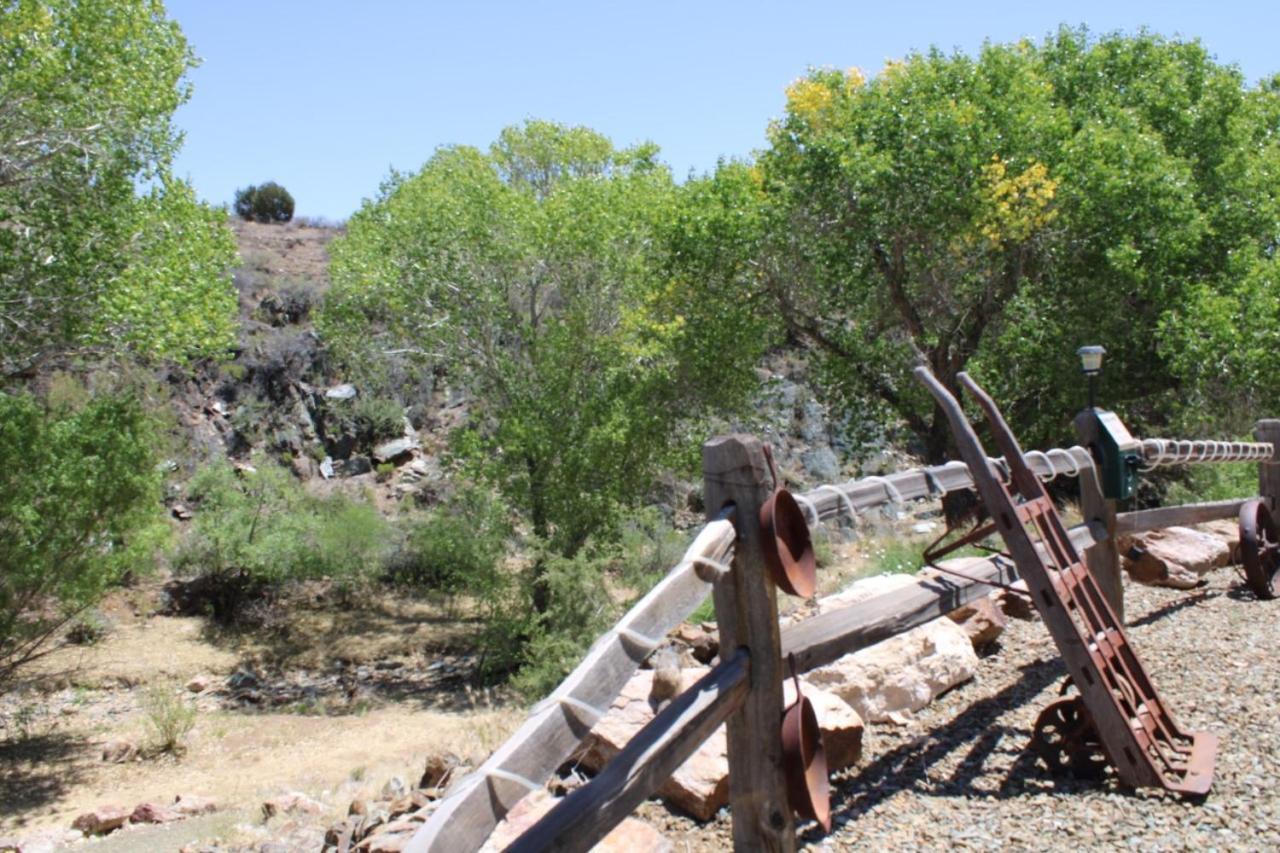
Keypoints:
(325, 97)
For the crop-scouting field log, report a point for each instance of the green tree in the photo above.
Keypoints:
(553, 276)
(994, 213)
(87, 260)
(269, 202)
(79, 506)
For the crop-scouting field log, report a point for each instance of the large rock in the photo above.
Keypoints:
(1228, 530)
(290, 803)
(701, 785)
(154, 813)
(1175, 557)
(903, 673)
(192, 805)
(630, 836)
(398, 448)
(101, 820)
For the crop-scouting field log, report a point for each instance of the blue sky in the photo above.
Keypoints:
(326, 97)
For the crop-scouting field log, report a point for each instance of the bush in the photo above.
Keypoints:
(457, 548)
(79, 507)
(169, 719)
(648, 547)
(257, 529)
(365, 421)
(269, 202)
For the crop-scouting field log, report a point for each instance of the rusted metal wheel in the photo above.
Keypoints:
(1259, 549)
(1064, 737)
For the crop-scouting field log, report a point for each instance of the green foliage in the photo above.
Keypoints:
(458, 548)
(1201, 483)
(79, 507)
(86, 259)
(256, 529)
(369, 420)
(648, 547)
(169, 719)
(542, 274)
(268, 202)
(993, 213)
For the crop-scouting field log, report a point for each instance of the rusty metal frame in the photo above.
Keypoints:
(1136, 730)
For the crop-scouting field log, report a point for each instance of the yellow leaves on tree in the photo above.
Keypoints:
(809, 99)
(1015, 206)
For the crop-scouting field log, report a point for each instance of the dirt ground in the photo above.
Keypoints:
(332, 738)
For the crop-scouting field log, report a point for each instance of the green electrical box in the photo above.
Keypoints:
(1118, 454)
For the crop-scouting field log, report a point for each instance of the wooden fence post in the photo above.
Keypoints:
(1103, 559)
(734, 471)
(1268, 429)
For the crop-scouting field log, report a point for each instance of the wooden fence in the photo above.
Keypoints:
(744, 690)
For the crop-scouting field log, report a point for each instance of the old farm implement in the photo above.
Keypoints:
(1117, 716)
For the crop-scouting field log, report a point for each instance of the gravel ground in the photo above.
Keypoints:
(959, 776)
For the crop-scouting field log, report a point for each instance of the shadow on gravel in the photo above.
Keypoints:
(976, 729)
(36, 770)
(1173, 607)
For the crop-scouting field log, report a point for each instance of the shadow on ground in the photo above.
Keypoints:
(37, 770)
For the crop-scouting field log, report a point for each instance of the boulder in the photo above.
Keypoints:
(704, 645)
(903, 673)
(345, 391)
(1228, 530)
(119, 751)
(440, 768)
(199, 683)
(981, 619)
(630, 836)
(101, 820)
(290, 803)
(154, 813)
(700, 786)
(398, 448)
(191, 805)
(1175, 557)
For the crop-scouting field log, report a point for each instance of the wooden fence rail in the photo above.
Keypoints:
(555, 727)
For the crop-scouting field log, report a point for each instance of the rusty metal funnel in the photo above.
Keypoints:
(785, 539)
(804, 761)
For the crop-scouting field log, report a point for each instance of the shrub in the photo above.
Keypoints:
(648, 547)
(257, 530)
(366, 421)
(269, 202)
(457, 548)
(169, 719)
(79, 507)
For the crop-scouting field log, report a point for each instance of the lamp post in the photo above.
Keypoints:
(1091, 365)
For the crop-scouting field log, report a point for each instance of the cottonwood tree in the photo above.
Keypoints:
(993, 213)
(553, 276)
(87, 259)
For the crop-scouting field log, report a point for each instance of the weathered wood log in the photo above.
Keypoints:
(1173, 516)
(735, 471)
(1268, 429)
(1104, 560)
(555, 727)
(827, 637)
(587, 815)
(870, 492)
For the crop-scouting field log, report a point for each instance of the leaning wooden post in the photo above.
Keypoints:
(734, 471)
(1103, 559)
(1269, 469)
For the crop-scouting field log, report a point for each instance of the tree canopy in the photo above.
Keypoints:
(546, 276)
(99, 244)
(995, 212)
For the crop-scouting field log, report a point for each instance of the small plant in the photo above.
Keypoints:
(89, 629)
(384, 470)
(358, 773)
(268, 202)
(648, 547)
(169, 719)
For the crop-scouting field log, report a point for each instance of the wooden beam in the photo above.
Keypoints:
(587, 815)
(556, 726)
(1104, 560)
(1128, 523)
(827, 637)
(1268, 429)
(734, 471)
(870, 492)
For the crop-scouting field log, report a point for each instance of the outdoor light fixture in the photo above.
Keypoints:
(1091, 364)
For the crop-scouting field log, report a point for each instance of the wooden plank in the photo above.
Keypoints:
(1104, 560)
(1268, 429)
(1171, 516)
(870, 492)
(587, 815)
(827, 637)
(556, 726)
(735, 472)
